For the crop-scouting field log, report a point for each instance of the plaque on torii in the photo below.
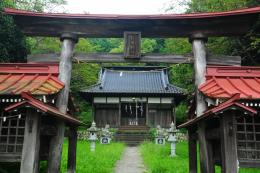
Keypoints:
(132, 45)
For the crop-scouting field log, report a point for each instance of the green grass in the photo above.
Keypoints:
(101, 161)
(157, 159)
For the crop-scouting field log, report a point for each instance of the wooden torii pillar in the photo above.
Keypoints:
(206, 161)
(65, 67)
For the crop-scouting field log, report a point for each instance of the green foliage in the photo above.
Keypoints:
(148, 45)
(105, 45)
(215, 5)
(152, 132)
(102, 160)
(40, 5)
(85, 110)
(40, 45)
(182, 76)
(84, 46)
(177, 46)
(246, 46)
(83, 75)
(119, 49)
(12, 42)
(220, 45)
(157, 159)
(181, 114)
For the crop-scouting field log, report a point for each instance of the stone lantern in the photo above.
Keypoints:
(172, 139)
(105, 135)
(160, 136)
(92, 136)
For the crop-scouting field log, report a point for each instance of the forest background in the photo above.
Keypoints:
(14, 47)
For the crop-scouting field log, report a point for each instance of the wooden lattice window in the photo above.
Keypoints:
(248, 139)
(11, 132)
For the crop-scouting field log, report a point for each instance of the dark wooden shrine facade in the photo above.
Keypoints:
(232, 118)
(28, 94)
(133, 96)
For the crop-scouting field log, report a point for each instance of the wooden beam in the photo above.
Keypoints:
(31, 144)
(228, 143)
(65, 67)
(148, 58)
(153, 26)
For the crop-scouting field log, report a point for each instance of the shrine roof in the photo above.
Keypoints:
(232, 103)
(37, 79)
(225, 81)
(229, 23)
(134, 80)
(39, 105)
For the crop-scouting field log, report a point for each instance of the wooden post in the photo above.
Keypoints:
(31, 143)
(228, 144)
(72, 150)
(147, 112)
(174, 113)
(65, 66)
(199, 52)
(93, 111)
(119, 113)
(192, 151)
(211, 157)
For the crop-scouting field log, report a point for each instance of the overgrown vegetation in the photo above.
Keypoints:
(157, 159)
(12, 41)
(102, 160)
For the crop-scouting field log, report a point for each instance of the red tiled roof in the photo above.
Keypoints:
(224, 82)
(30, 101)
(38, 79)
(229, 104)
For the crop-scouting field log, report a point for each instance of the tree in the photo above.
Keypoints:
(12, 42)
(177, 46)
(246, 46)
(41, 44)
(41, 5)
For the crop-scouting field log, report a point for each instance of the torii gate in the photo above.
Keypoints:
(197, 27)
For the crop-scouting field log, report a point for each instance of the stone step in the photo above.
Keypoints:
(134, 128)
(133, 143)
(131, 139)
(132, 135)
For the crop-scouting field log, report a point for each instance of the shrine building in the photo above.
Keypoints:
(133, 96)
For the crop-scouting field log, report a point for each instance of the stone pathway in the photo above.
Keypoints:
(131, 162)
